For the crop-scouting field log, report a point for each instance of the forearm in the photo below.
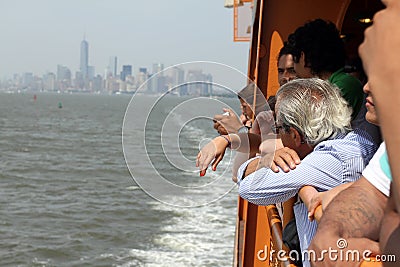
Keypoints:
(355, 212)
(245, 142)
(353, 219)
(251, 167)
(261, 187)
(307, 193)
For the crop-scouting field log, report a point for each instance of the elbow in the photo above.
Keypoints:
(251, 196)
(245, 192)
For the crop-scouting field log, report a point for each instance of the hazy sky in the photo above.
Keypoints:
(36, 35)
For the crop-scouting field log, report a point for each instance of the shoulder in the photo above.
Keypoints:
(345, 81)
(357, 143)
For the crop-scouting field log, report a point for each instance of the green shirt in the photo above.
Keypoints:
(351, 89)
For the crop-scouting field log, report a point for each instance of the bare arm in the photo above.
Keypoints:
(355, 214)
(245, 142)
(214, 151)
(357, 211)
(312, 198)
(252, 167)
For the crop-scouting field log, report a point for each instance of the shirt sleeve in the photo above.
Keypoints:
(265, 187)
(375, 174)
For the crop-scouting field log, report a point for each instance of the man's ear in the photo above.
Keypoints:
(296, 136)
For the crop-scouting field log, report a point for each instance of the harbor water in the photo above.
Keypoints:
(68, 198)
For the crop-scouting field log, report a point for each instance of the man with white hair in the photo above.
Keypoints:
(314, 120)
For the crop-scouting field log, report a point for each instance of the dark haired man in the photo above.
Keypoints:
(318, 51)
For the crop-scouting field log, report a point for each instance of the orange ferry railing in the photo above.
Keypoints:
(259, 230)
(257, 226)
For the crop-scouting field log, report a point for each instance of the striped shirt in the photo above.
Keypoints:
(332, 162)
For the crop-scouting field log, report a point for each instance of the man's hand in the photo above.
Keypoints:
(220, 129)
(214, 150)
(285, 158)
(320, 199)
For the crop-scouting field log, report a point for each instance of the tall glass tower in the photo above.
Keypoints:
(84, 67)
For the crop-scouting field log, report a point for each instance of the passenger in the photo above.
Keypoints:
(319, 52)
(312, 119)
(286, 73)
(286, 70)
(230, 122)
(381, 58)
(356, 213)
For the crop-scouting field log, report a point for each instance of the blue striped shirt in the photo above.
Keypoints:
(332, 162)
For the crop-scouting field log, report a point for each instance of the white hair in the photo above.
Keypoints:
(313, 107)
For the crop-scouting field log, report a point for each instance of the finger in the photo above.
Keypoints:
(216, 162)
(312, 207)
(364, 244)
(228, 110)
(221, 130)
(315, 204)
(373, 246)
(203, 165)
(318, 213)
(274, 168)
(218, 117)
(289, 160)
(203, 161)
(293, 154)
(281, 163)
(198, 159)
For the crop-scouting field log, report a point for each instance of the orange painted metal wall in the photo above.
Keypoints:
(274, 21)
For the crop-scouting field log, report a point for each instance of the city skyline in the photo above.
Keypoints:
(89, 71)
(47, 33)
(183, 79)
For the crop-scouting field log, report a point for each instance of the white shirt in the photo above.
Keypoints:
(375, 174)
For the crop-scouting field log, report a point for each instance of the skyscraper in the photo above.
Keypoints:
(157, 67)
(112, 66)
(126, 71)
(84, 67)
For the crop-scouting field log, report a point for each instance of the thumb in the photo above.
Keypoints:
(227, 110)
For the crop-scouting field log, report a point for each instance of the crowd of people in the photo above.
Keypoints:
(320, 142)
